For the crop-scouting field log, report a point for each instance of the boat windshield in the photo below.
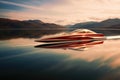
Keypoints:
(82, 31)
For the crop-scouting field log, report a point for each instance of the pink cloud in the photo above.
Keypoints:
(69, 10)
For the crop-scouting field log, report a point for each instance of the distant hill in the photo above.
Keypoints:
(83, 25)
(108, 27)
(28, 24)
(27, 29)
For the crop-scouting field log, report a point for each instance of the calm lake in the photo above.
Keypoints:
(21, 61)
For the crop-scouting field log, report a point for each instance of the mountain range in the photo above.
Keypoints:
(27, 24)
(107, 27)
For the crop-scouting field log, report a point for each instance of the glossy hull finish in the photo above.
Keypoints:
(82, 36)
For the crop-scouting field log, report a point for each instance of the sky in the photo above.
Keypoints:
(62, 12)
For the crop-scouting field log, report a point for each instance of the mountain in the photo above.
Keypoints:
(27, 29)
(28, 24)
(83, 25)
(108, 27)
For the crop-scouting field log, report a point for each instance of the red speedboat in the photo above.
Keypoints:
(79, 34)
(77, 40)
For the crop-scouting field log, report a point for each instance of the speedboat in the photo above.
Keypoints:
(76, 40)
(79, 34)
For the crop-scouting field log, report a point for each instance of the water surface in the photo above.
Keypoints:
(20, 60)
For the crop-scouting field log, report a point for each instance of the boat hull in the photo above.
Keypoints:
(72, 38)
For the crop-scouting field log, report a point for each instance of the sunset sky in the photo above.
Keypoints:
(60, 11)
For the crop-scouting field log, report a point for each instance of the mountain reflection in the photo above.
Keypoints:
(28, 33)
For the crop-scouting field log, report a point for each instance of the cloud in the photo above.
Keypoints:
(71, 11)
(20, 5)
(60, 21)
(95, 18)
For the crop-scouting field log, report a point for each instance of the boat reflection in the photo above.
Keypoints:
(77, 45)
